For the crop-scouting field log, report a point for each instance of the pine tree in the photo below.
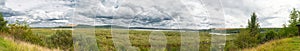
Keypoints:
(3, 24)
(253, 25)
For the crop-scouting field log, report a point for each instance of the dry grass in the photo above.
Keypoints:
(24, 46)
(11, 44)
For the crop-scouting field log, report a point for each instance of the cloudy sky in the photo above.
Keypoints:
(190, 14)
(271, 13)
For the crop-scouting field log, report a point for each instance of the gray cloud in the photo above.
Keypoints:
(192, 14)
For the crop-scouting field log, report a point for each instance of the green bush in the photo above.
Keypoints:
(23, 32)
(283, 32)
(245, 40)
(62, 39)
(271, 35)
(231, 46)
(268, 36)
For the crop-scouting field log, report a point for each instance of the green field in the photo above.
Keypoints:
(138, 38)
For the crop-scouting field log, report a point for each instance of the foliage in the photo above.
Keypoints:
(62, 39)
(269, 35)
(23, 32)
(7, 44)
(231, 46)
(291, 29)
(286, 44)
(248, 37)
(252, 37)
(245, 40)
(253, 25)
(283, 33)
(3, 23)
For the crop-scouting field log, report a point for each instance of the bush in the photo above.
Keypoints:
(269, 35)
(230, 46)
(245, 40)
(23, 32)
(62, 39)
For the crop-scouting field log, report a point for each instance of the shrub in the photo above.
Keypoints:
(230, 46)
(269, 35)
(62, 39)
(23, 32)
(283, 32)
(244, 40)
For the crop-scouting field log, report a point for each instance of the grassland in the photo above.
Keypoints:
(287, 44)
(9, 44)
(138, 38)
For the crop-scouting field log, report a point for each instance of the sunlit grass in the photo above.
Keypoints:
(287, 44)
(8, 44)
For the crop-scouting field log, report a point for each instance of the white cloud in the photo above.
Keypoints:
(193, 14)
(271, 13)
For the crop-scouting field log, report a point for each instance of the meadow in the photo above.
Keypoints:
(138, 38)
(10, 44)
(286, 44)
(65, 39)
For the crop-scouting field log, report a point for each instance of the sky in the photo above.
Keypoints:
(177, 14)
(271, 13)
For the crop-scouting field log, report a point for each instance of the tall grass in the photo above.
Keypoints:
(6, 44)
(138, 38)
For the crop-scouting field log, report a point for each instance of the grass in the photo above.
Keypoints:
(4, 45)
(287, 44)
(138, 38)
(8, 44)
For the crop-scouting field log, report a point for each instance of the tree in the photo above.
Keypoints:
(248, 37)
(3, 24)
(291, 29)
(253, 25)
(294, 18)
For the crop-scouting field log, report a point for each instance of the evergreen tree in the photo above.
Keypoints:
(253, 25)
(3, 23)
